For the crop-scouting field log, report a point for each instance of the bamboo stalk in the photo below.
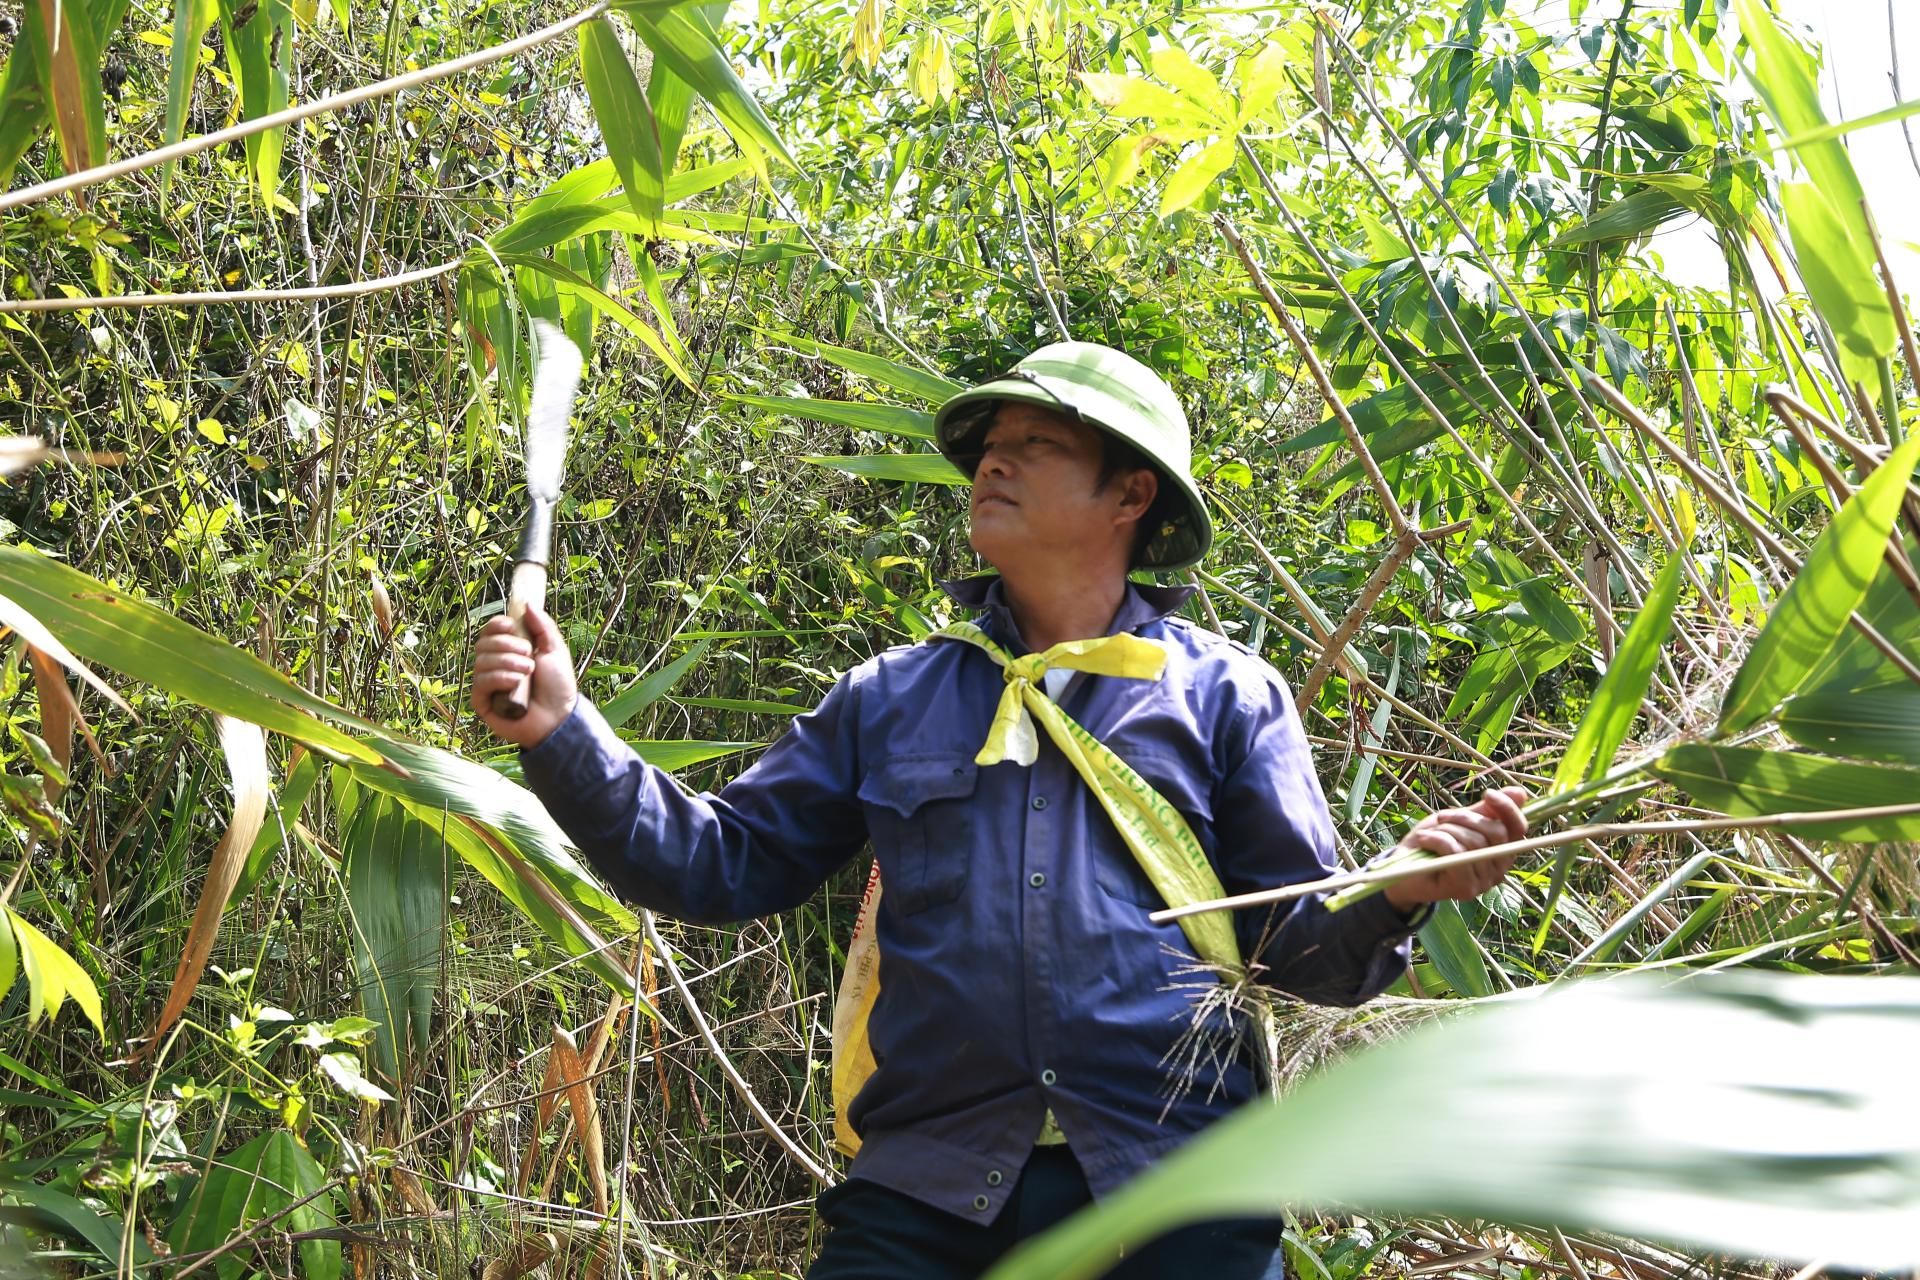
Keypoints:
(1376, 585)
(293, 115)
(1514, 848)
(1308, 356)
(1621, 405)
(351, 289)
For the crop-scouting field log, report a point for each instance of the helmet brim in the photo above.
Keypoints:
(960, 422)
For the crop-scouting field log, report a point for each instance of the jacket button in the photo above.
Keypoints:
(1039, 802)
(1037, 880)
(993, 1177)
(1047, 1076)
(980, 1203)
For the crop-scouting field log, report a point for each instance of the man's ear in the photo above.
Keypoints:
(1138, 490)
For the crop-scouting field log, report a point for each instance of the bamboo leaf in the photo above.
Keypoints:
(258, 35)
(191, 18)
(682, 40)
(930, 387)
(1450, 946)
(892, 419)
(302, 774)
(644, 692)
(1617, 700)
(920, 468)
(245, 747)
(672, 99)
(626, 121)
(1814, 611)
(1533, 1126)
(256, 1181)
(147, 643)
(45, 1209)
(395, 870)
(53, 976)
(67, 48)
(1190, 181)
(1881, 722)
(1750, 783)
(671, 754)
(574, 284)
(23, 105)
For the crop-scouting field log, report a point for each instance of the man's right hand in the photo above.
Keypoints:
(501, 659)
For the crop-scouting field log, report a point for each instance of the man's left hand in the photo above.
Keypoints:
(1497, 819)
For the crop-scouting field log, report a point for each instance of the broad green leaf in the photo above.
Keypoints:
(437, 781)
(1839, 270)
(920, 468)
(553, 224)
(397, 879)
(23, 106)
(892, 419)
(1137, 99)
(672, 100)
(1747, 782)
(1877, 723)
(1187, 183)
(191, 18)
(1824, 215)
(643, 693)
(1758, 1144)
(56, 1212)
(1854, 660)
(680, 38)
(625, 117)
(930, 387)
(1814, 611)
(139, 640)
(259, 36)
(671, 754)
(52, 976)
(256, 1181)
(1450, 946)
(1627, 218)
(1177, 67)
(1617, 700)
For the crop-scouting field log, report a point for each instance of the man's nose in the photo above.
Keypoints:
(993, 462)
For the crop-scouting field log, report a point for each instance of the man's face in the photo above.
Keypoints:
(1036, 494)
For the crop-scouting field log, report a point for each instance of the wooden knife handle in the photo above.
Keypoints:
(529, 586)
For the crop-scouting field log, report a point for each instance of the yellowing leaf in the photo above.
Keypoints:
(53, 976)
(212, 430)
(1190, 180)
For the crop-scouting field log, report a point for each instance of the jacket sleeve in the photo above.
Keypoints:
(763, 844)
(1273, 828)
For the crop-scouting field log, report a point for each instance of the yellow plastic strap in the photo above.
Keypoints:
(1153, 829)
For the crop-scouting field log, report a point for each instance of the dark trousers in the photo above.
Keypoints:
(876, 1233)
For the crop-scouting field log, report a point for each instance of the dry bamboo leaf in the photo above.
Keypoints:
(650, 983)
(35, 633)
(1322, 87)
(529, 1253)
(67, 83)
(59, 716)
(586, 1115)
(245, 746)
(19, 453)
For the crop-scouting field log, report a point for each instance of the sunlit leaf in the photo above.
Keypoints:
(53, 976)
(625, 117)
(892, 419)
(1746, 1135)
(1748, 782)
(920, 468)
(1807, 622)
(1617, 701)
(1881, 722)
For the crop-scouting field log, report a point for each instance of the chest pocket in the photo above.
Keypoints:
(1119, 874)
(920, 814)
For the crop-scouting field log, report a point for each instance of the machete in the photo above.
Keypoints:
(555, 379)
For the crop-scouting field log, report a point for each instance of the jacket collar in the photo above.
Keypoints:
(1143, 603)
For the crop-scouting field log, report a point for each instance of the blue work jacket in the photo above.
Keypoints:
(1018, 968)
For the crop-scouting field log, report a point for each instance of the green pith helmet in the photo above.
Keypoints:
(1111, 390)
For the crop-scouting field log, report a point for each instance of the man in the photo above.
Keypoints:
(1029, 1014)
